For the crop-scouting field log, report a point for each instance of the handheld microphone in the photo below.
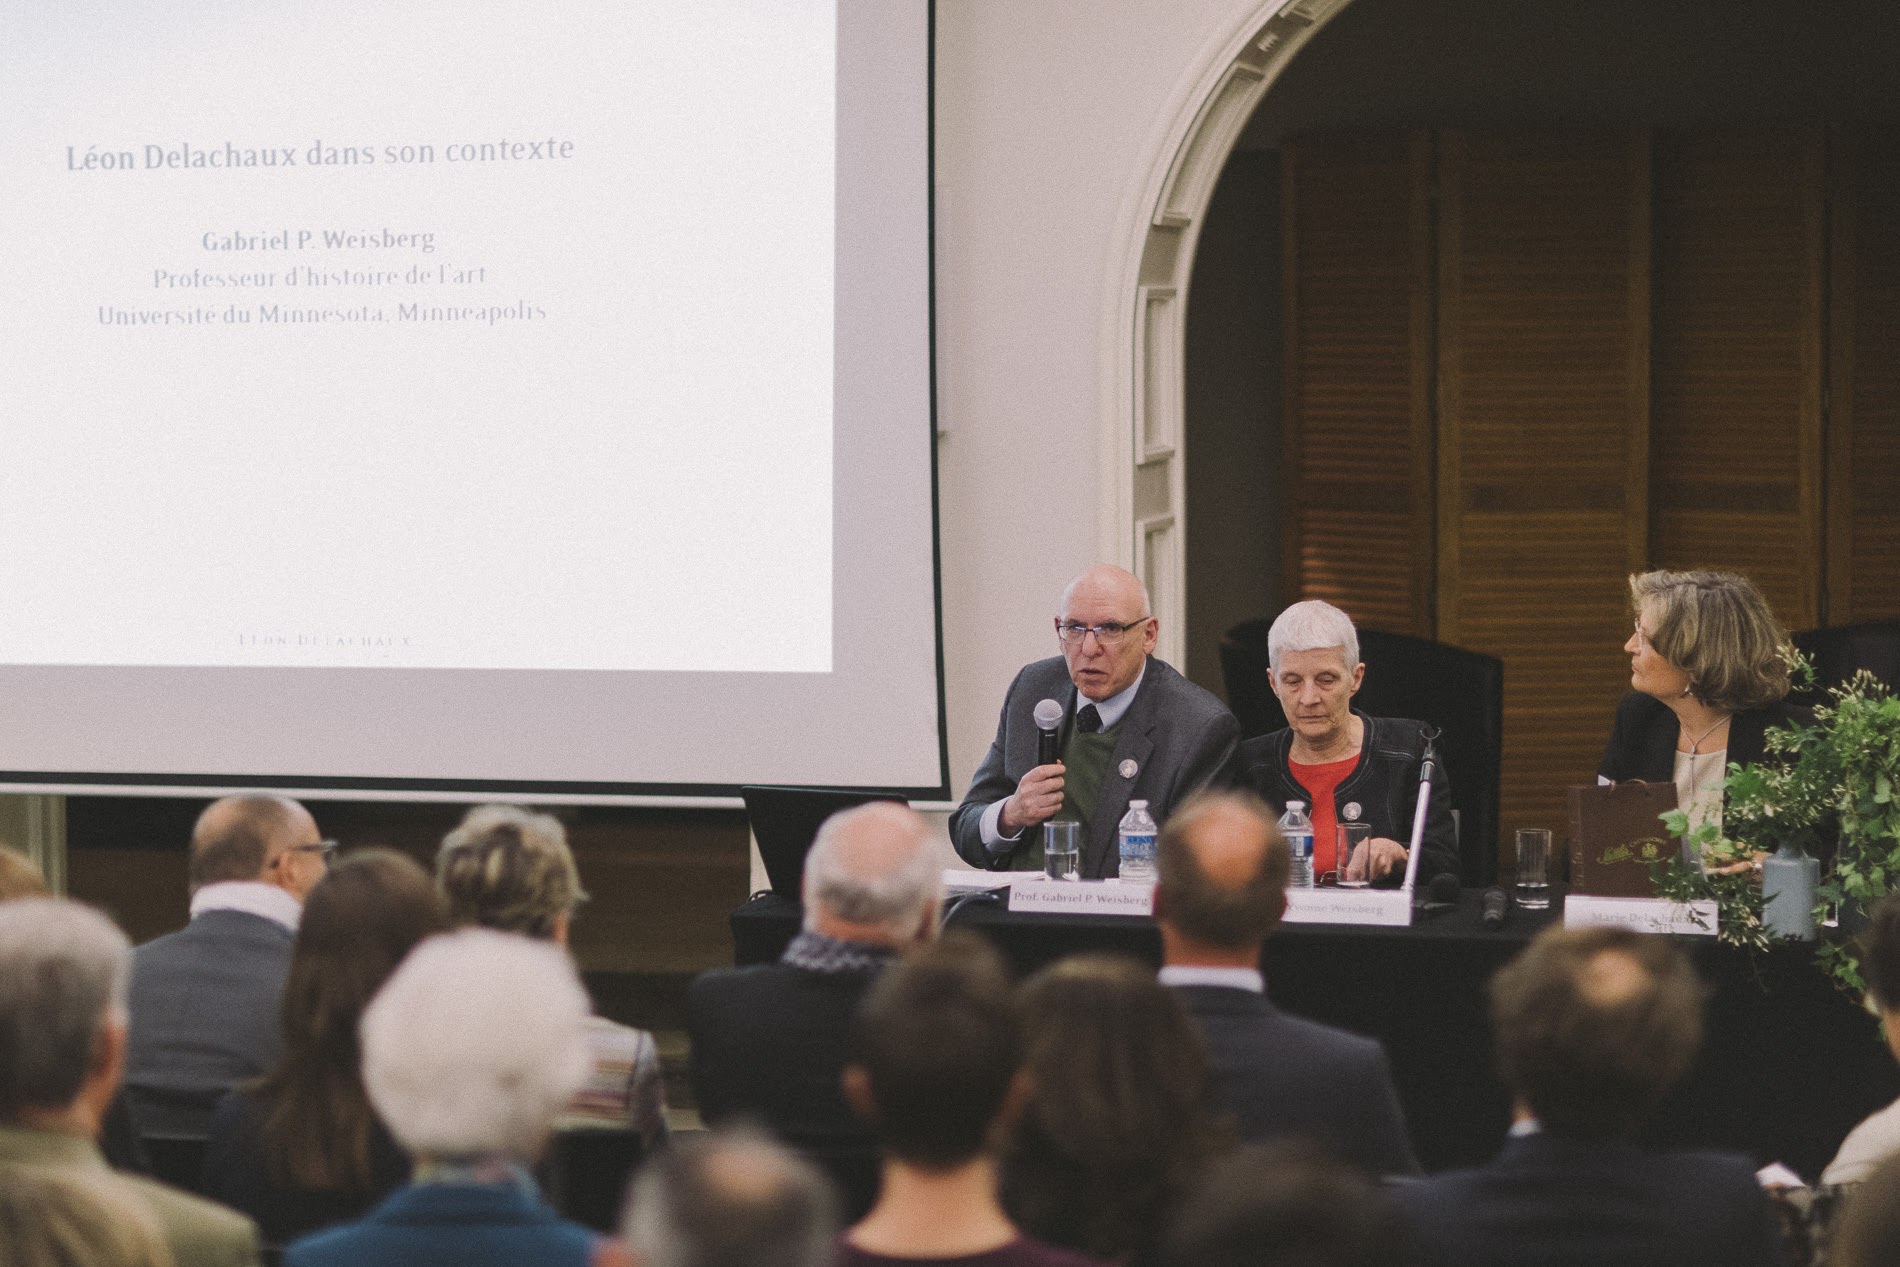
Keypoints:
(1496, 904)
(1048, 727)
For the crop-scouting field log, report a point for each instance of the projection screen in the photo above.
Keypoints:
(517, 396)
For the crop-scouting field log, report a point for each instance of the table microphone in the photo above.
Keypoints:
(1441, 894)
(1048, 727)
(1495, 904)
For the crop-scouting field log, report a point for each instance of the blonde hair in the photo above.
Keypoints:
(508, 868)
(1717, 628)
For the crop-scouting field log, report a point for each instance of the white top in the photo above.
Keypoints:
(990, 826)
(1865, 1147)
(1698, 778)
(1231, 978)
(253, 897)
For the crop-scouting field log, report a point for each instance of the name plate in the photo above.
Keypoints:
(1082, 897)
(1640, 914)
(1391, 907)
(958, 880)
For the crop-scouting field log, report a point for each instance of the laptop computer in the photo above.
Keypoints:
(785, 820)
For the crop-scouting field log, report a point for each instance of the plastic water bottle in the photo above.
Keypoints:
(1298, 830)
(1137, 838)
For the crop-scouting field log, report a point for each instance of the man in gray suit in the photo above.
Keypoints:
(1221, 892)
(1132, 729)
(204, 999)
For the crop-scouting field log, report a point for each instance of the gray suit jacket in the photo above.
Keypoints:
(204, 1017)
(1178, 736)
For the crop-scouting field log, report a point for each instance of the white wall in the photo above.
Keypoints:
(1050, 115)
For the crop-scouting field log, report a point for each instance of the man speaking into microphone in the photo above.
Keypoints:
(1126, 726)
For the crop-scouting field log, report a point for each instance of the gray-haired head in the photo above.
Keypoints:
(64, 970)
(1312, 626)
(475, 1044)
(734, 1198)
(873, 865)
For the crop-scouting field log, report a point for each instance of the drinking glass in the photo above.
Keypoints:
(1062, 849)
(1533, 868)
(1349, 839)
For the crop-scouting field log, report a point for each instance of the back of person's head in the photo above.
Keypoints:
(73, 1217)
(237, 837)
(358, 924)
(1880, 954)
(474, 1045)
(1115, 1130)
(873, 866)
(64, 972)
(1866, 1233)
(935, 1051)
(1286, 1204)
(1222, 871)
(1594, 1026)
(1312, 625)
(19, 877)
(731, 1198)
(508, 868)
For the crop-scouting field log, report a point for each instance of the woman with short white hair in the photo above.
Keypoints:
(470, 1051)
(1345, 765)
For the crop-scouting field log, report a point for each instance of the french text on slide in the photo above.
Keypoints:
(228, 155)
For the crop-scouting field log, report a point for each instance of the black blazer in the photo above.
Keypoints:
(1175, 737)
(769, 1042)
(1569, 1202)
(1384, 784)
(1643, 740)
(1284, 1075)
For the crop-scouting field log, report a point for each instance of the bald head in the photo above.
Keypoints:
(1106, 583)
(247, 837)
(731, 1198)
(872, 875)
(1110, 600)
(1222, 872)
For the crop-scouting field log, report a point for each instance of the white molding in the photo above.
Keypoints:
(1152, 259)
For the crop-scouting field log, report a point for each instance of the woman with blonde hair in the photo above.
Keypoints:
(1710, 679)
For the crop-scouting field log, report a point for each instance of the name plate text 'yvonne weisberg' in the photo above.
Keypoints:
(1640, 914)
(1391, 907)
(1082, 897)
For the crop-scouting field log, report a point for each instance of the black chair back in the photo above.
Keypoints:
(1460, 692)
(176, 1159)
(1838, 653)
(584, 1175)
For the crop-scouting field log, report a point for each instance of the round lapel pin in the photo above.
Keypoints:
(1352, 811)
(1129, 769)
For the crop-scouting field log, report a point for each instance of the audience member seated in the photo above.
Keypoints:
(64, 970)
(470, 1051)
(1222, 890)
(1708, 683)
(509, 869)
(302, 1148)
(68, 1218)
(205, 998)
(1345, 765)
(1594, 1026)
(1877, 1138)
(769, 1040)
(1115, 1131)
(19, 877)
(732, 1198)
(1283, 1204)
(937, 1066)
(1869, 1231)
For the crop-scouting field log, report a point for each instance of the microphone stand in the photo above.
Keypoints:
(1425, 769)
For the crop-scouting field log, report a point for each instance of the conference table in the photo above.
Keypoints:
(1788, 1063)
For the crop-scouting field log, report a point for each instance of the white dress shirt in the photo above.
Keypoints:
(253, 897)
(1226, 978)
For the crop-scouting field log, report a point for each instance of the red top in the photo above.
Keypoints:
(1321, 781)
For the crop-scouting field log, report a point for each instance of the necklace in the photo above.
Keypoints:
(1697, 741)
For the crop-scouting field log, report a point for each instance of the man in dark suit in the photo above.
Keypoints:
(1594, 1026)
(1221, 892)
(1132, 729)
(204, 999)
(770, 1041)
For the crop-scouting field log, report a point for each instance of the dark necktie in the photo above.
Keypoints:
(1087, 720)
